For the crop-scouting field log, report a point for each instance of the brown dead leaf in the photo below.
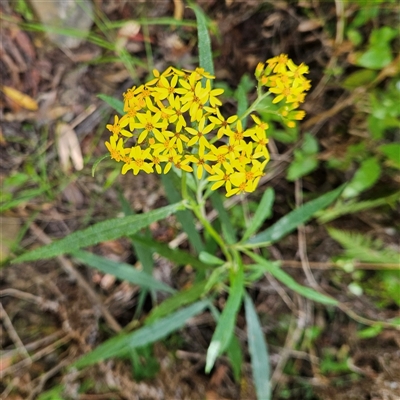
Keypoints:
(74, 195)
(68, 147)
(178, 10)
(309, 25)
(128, 31)
(25, 44)
(21, 99)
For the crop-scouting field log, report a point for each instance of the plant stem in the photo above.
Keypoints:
(214, 234)
(253, 106)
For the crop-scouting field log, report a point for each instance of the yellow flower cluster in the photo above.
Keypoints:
(175, 120)
(285, 79)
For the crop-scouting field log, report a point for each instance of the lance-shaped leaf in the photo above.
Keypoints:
(226, 323)
(204, 42)
(292, 220)
(100, 232)
(147, 334)
(258, 351)
(121, 270)
(277, 272)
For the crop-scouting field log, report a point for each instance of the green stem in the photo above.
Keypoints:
(185, 195)
(253, 107)
(213, 233)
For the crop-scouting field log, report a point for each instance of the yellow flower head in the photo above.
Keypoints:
(175, 121)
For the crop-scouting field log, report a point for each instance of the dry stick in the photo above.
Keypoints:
(46, 304)
(69, 269)
(302, 243)
(292, 339)
(44, 341)
(13, 333)
(340, 25)
(331, 265)
(366, 321)
(281, 291)
(45, 377)
(37, 356)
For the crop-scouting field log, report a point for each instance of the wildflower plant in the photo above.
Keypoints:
(175, 125)
(175, 120)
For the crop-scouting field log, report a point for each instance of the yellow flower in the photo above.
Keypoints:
(199, 134)
(156, 159)
(260, 139)
(116, 148)
(261, 124)
(199, 73)
(166, 142)
(138, 163)
(149, 123)
(194, 99)
(178, 117)
(166, 89)
(180, 137)
(278, 63)
(297, 72)
(213, 94)
(201, 162)
(221, 178)
(221, 156)
(259, 70)
(129, 97)
(117, 127)
(176, 160)
(245, 181)
(144, 94)
(223, 123)
(238, 134)
(130, 117)
(285, 92)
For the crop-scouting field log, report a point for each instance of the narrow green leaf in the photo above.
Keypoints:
(144, 254)
(364, 178)
(392, 152)
(275, 270)
(233, 351)
(204, 42)
(210, 259)
(186, 217)
(102, 231)
(354, 205)
(72, 32)
(264, 211)
(235, 355)
(114, 103)
(180, 299)
(244, 87)
(302, 165)
(121, 271)
(258, 351)
(226, 323)
(23, 196)
(292, 220)
(227, 227)
(179, 257)
(97, 162)
(120, 344)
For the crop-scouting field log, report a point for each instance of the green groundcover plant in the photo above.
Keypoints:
(173, 126)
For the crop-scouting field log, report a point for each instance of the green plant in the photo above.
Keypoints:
(225, 259)
(385, 285)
